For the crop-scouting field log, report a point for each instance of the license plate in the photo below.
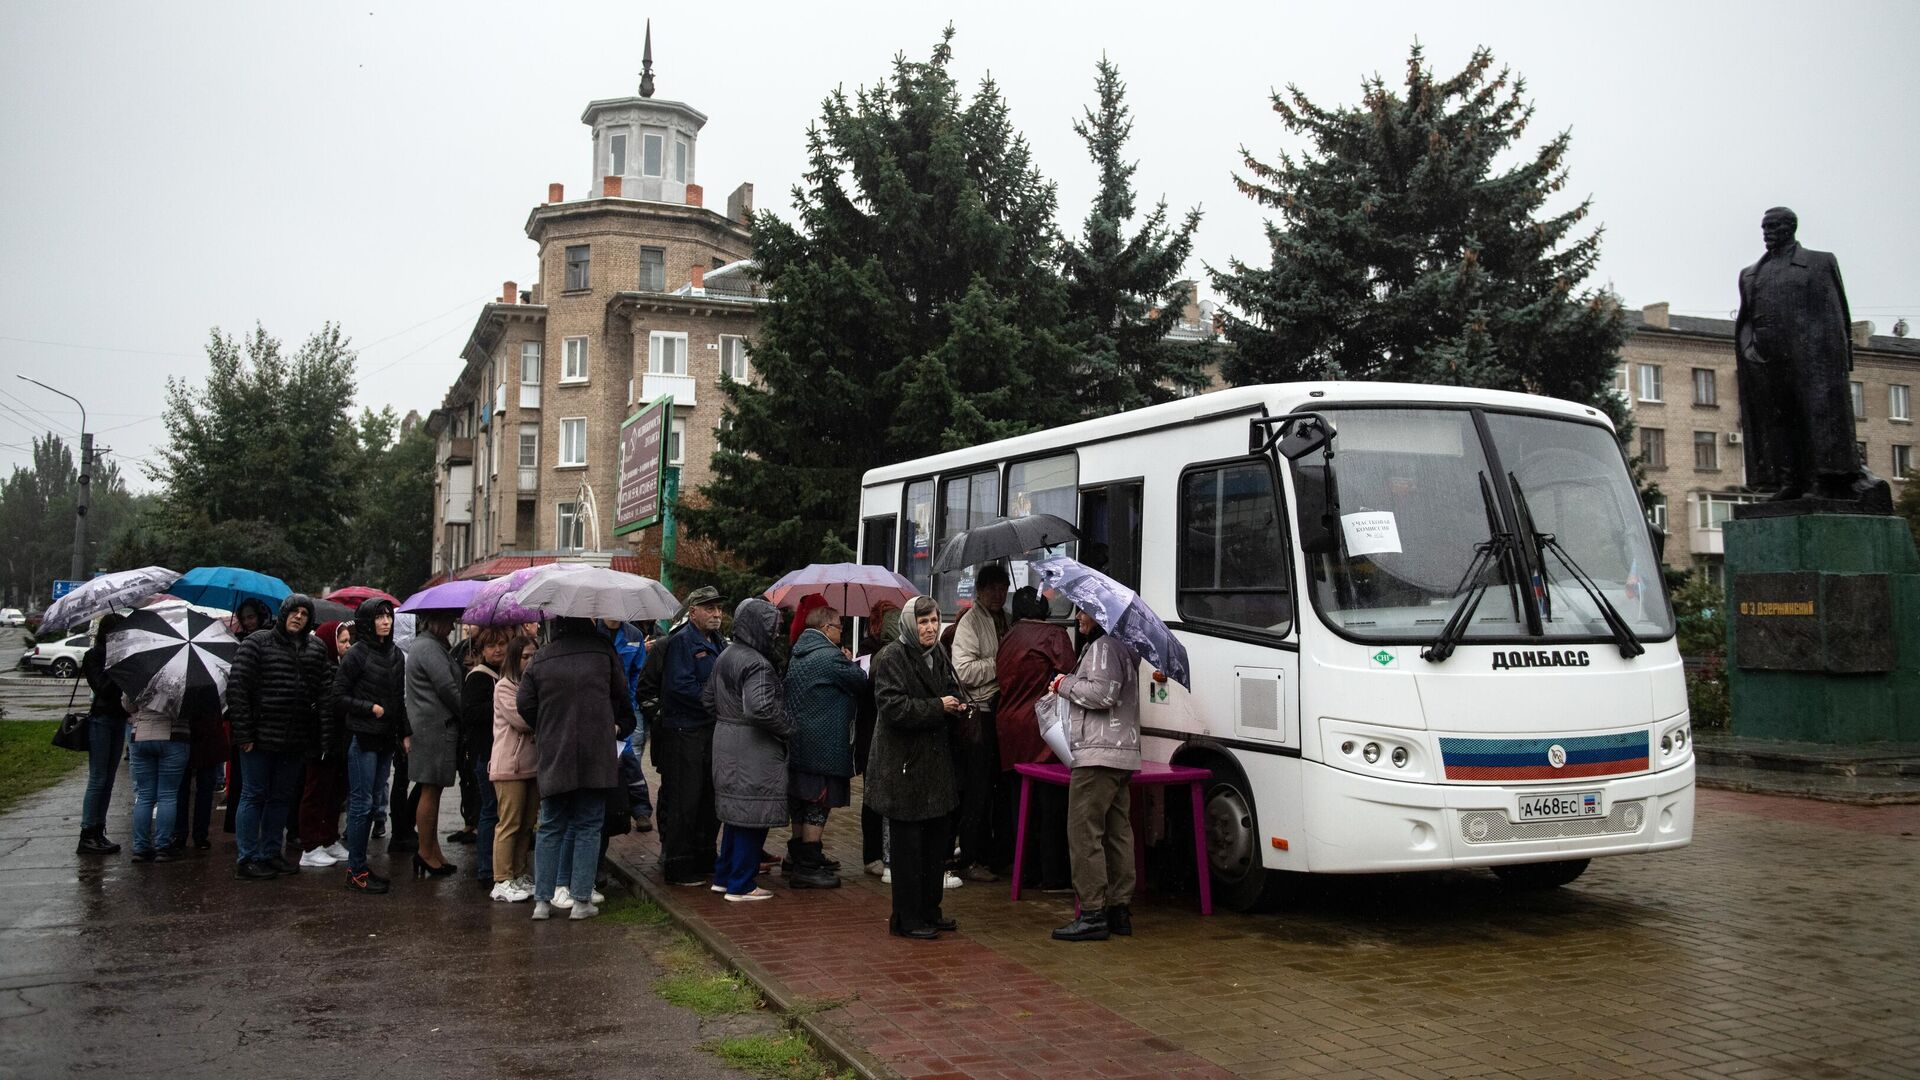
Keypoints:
(1560, 805)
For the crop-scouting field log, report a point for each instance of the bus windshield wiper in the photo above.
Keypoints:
(1495, 551)
(1623, 635)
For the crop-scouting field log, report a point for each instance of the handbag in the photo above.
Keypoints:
(72, 734)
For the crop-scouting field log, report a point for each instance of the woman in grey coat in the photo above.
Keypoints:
(748, 704)
(433, 707)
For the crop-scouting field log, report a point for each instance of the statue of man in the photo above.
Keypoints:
(1794, 350)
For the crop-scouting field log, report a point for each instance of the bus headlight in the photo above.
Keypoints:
(1376, 750)
(1676, 739)
(1371, 753)
(1399, 757)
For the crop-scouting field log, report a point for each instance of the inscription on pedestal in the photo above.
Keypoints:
(1809, 621)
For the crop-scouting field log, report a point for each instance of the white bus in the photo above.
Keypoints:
(1427, 625)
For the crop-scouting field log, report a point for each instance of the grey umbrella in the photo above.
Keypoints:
(598, 593)
(123, 588)
(1004, 539)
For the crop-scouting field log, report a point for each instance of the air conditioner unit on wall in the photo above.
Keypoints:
(1733, 438)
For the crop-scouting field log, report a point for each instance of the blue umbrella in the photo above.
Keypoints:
(225, 586)
(1120, 612)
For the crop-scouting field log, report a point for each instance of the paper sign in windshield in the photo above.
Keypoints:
(1370, 532)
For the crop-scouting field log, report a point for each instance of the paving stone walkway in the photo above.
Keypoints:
(1785, 942)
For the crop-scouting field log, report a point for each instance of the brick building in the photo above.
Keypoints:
(1677, 376)
(642, 290)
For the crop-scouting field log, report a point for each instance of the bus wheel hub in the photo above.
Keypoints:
(1229, 833)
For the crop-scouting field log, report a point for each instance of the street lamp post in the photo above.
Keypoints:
(86, 480)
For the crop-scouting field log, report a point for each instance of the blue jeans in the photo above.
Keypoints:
(572, 822)
(269, 790)
(366, 790)
(739, 859)
(489, 817)
(156, 765)
(106, 737)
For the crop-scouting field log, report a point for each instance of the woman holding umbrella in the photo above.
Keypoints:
(369, 693)
(1103, 696)
(106, 737)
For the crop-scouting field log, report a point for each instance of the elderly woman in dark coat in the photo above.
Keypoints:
(748, 705)
(910, 773)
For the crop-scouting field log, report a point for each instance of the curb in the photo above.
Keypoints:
(1787, 789)
(830, 1043)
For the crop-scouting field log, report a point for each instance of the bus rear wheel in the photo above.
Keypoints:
(1541, 875)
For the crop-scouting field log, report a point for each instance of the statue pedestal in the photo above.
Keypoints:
(1823, 633)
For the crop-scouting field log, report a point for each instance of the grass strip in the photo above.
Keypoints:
(786, 1056)
(29, 761)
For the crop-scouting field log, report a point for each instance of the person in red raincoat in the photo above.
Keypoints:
(1032, 652)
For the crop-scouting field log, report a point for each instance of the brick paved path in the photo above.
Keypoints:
(1782, 943)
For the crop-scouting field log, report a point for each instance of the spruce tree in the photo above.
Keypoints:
(1407, 250)
(1126, 292)
(915, 307)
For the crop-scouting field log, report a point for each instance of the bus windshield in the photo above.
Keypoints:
(1419, 495)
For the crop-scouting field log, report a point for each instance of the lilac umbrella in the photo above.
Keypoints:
(448, 596)
(1120, 612)
(494, 605)
(850, 588)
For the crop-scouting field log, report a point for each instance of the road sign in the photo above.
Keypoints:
(62, 588)
(643, 454)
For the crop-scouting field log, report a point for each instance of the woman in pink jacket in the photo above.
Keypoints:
(512, 769)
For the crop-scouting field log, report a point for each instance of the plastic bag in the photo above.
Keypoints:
(1051, 711)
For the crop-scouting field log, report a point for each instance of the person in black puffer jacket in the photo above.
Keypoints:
(370, 701)
(277, 693)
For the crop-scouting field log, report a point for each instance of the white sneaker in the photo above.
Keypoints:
(886, 875)
(716, 887)
(741, 898)
(542, 910)
(952, 881)
(509, 893)
(338, 850)
(525, 882)
(562, 899)
(318, 857)
(597, 898)
(876, 868)
(583, 911)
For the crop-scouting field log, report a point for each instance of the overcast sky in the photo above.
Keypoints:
(169, 168)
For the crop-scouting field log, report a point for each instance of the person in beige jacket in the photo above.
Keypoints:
(976, 750)
(513, 768)
(1103, 722)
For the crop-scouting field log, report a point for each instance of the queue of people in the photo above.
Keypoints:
(543, 724)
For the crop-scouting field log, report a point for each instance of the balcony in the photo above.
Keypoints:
(459, 451)
(530, 395)
(529, 486)
(654, 384)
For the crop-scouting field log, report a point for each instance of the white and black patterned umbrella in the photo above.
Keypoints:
(123, 588)
(163, 654)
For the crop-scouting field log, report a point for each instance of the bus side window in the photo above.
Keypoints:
(1233, 552)
(1110, 530)
(876, 541)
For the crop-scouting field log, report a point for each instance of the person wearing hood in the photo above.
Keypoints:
(910, 777)
(277, 692)
(433, 711)
(824, 688)
(1103, 726)
(369, 694)
(1031, 653)
(574, 696)
(748, 704)
(249, 615)
(325, 792)
(883, 626)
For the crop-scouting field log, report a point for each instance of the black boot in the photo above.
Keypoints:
(1090, 926)
(808, 872)
(94, 842)
(1120, 920)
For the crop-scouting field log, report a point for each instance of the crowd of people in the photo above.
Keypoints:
(328, 734)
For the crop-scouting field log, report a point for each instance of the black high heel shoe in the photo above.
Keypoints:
(421, 869)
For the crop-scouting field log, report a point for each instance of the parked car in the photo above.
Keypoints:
(59, 657)
(12, 616)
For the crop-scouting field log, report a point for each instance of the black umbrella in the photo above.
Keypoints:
(163, 654)
(331, 611)
(1003, 539)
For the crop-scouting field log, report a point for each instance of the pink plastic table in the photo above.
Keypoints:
(1150, 774)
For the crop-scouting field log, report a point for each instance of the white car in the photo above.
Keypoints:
(60, 658)
(12, 616)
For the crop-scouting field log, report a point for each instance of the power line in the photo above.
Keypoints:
(421, 349)
(30, 422)
(421, 323)
(93, 348)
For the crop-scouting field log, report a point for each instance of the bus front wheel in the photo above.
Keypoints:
(1240, 881)
(1541, 875)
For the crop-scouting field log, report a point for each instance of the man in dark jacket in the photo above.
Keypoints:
(683, 744)
(277, 693)
(824, 687)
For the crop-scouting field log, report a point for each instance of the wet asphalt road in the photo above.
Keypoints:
(113, 968)
(31, 695)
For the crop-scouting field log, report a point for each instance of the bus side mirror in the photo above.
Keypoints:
(1304, 437)
(1659, 542)
(1319, 534)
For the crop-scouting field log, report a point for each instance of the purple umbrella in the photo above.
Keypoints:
(449, 596)
(850, 588)
(1120, 612)
(493, 605)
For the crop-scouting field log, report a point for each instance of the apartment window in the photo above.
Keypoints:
(1902, 460)
(579, 261)
(1713, 511)
(1653, 447)
(677, 442)
(1706, 451)
(573, 360)
(733, 358)
(1899, 403)
(1233, 559)
(573, 441)
(1858, 393)
(530, 363)
(617, 155)
(1705, 392)
(571, 535)
(1657, 512)
(650, 150)
(653, 269)
(529, 446)
(666, 353)
(680, 161)
(1622, 383)
(1650, 382)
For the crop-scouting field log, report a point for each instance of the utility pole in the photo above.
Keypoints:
(86, 481)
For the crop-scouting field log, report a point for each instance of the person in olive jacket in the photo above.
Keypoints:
(910, 777)
(277, 694)
(370, 700)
